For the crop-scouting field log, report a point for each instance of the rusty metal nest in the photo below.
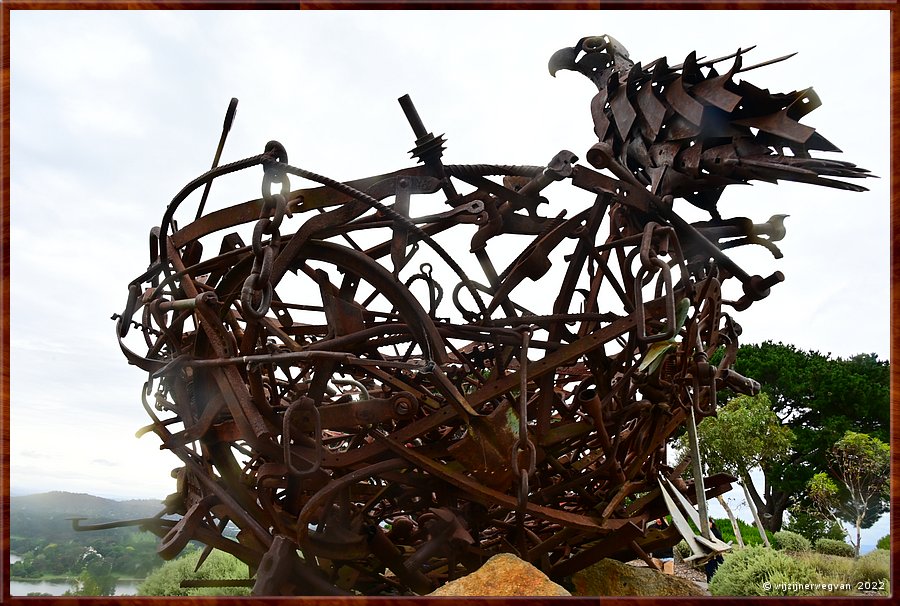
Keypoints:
(365, 440)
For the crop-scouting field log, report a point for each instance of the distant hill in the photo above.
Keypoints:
(45, 515)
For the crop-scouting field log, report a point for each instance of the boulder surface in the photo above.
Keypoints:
(613, 578)
(503, 575)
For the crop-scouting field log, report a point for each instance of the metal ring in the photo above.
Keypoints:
(640, 321)
(270, 175)
(265, 269)
(260, 229)
(276, 202)
(280, 203)
(247, 292)
(532, 456)
(256, 240)
(468, 315)
(522, 496)
(286, 438)
(435, 290)
(277, 149)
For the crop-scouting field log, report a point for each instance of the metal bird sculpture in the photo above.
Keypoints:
(365, 442)
(688, 131)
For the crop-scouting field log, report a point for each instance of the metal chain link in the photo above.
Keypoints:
(650, 263)
(258, 284)
(435, 290)
(523, 444)
(309, 405)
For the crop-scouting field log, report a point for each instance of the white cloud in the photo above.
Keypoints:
(75, 49)
(92, 116)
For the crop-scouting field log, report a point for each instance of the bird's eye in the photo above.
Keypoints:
(593, 44)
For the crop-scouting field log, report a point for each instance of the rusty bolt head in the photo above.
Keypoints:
(402, 406)
(405, 404)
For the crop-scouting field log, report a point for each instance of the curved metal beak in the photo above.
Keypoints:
(564, 58)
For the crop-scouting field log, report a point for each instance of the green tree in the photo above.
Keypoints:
(166, 580)
(744, 435)
(856, 488)
(812, 525)
(819, 398)
(96, 579)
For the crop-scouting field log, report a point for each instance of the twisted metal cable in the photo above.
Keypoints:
(485, 170)
(206, 177)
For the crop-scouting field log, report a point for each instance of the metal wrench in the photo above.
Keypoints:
(475, 208)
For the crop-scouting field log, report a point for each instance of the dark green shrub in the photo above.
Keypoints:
(836, 532)
(805, 524)
(760, 571)
(833, 547)
(884, 543)
(681, 550)
(812, 526)
(874, 566)
(786, 540)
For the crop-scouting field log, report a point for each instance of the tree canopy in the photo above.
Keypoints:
(95, 579)
(819, 398)
(855, 490)
(166, 580)
(744, 434)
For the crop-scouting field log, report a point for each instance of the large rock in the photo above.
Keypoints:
(503, 575)
(613, 578)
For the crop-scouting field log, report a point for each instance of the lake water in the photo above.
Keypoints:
(20, 588)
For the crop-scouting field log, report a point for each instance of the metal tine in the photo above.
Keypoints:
(764, 63)
(706, 63)
(681, 524)
(226, 127)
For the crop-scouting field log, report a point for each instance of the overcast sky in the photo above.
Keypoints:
(113, 112)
